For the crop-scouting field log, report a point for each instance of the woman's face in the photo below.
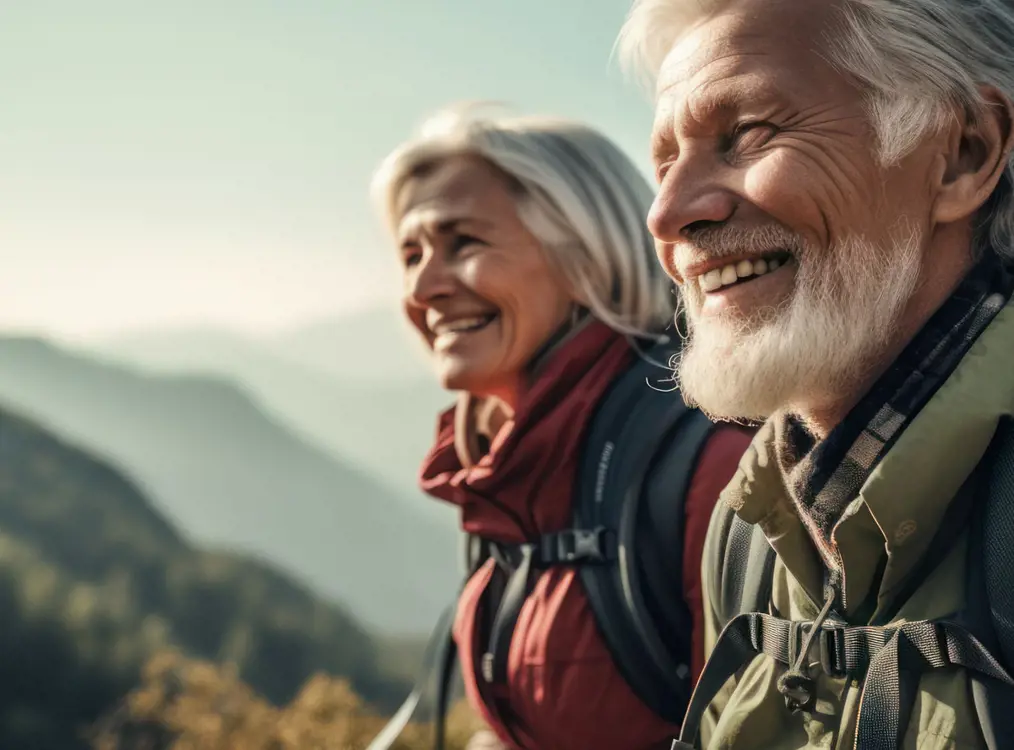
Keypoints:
(477, 285)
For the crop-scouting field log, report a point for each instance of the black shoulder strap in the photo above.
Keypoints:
(639, 455)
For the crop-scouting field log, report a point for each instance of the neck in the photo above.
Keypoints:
(948, 260)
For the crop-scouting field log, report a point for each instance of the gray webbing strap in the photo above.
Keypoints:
(890, 659)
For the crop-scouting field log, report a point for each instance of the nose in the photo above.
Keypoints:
(691, 196)
(429, 279)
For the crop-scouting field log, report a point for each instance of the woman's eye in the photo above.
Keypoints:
(410, 258)
(462, 241)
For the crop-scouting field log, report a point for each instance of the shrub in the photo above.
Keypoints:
(183, 704)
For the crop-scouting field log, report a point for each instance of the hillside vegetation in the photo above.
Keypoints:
(94, 583)
(192, 705)
(231, 476)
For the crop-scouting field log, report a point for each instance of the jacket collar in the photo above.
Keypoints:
(886, 524)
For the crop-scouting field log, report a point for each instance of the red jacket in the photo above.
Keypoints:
(563, 691)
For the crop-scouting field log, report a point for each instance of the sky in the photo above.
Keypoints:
(206, 162)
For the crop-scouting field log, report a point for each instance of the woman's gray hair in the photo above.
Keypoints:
(579, 194)
(917, 59)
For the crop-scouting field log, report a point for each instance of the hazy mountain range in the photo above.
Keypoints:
(359, 387)
(229, 472)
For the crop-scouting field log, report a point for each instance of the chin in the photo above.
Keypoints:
(458, 376)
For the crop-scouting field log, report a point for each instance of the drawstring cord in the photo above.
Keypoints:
(797, 685)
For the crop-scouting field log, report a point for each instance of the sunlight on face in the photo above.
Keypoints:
(478, 285)
(842, 310)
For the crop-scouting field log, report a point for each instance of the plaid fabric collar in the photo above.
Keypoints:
(824, 477)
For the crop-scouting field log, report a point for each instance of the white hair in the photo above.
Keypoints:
(579, 194)
(918, 59)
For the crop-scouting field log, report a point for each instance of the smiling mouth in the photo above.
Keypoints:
(464, 325)
(742, 271)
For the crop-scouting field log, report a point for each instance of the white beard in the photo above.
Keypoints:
(810, 349)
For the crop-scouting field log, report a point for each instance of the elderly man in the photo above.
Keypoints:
(836, 202)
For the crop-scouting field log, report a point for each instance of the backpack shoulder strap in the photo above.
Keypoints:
(998, 537)
(740, 562)
(639, 454)
(439, 664)
(990, 599)
(438, 661)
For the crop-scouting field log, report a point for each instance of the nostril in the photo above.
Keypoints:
(700, 227)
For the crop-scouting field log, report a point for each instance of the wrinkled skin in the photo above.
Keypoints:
(758, 136)
(466, 254)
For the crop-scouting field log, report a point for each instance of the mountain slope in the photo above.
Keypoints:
(93, 581)
(229, 475)
(385, 426)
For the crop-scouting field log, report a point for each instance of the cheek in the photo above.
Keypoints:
(785, 189)
(821, 195)
(532, 304)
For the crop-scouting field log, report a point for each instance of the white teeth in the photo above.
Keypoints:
(717, 278)
(712, 280)
(462, 324)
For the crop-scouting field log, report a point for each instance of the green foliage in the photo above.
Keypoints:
(93, 583)
(221, 465)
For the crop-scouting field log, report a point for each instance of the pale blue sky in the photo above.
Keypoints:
(206, 161)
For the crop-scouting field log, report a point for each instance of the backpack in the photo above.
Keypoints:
(636, 463)
(889, 661)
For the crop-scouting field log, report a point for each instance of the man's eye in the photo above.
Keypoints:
(410, 258)
(751, 135)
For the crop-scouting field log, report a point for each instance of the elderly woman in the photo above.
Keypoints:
(531, 277)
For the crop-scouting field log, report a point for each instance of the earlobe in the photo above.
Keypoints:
(978, 150)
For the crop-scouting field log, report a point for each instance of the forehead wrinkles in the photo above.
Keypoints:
(721, 86)
(429, 198)
(707, 56)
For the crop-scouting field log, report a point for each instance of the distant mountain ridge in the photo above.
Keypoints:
(94, 581)
(374, 345)
(231, 475)
(378, 406)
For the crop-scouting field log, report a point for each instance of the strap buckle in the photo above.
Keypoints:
(579, 545)
(831, 647)
(827, 651)
(827, 648)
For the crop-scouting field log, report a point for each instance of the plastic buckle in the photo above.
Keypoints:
(830, 643)
(574, 545)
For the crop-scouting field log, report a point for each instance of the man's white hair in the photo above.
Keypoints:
(917, 59)
(578, 193)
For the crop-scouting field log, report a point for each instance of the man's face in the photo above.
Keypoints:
(795, 250)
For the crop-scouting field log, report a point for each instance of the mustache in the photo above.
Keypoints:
(719, 241)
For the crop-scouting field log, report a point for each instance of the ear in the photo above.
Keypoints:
(977, 150)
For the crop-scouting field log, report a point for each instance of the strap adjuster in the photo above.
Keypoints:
(827, 648)
(831, 650)
(578, 546)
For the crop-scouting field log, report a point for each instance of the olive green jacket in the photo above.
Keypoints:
(896, 514)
